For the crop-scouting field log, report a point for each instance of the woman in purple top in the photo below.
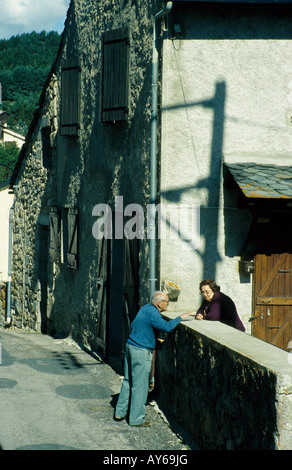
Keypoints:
(218, 306)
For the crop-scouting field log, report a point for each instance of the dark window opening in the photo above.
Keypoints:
(46, 147)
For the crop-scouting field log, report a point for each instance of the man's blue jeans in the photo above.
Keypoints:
(135, 385)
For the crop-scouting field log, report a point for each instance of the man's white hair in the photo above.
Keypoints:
(158, 296)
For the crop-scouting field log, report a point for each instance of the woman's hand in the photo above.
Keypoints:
(199, 316)
(187, 314)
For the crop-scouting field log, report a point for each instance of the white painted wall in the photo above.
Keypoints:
(6, 201)
(223, 100)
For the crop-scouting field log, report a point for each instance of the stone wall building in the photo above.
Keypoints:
(98, 141)
(84, 149)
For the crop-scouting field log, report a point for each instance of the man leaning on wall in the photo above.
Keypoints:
(138, 358)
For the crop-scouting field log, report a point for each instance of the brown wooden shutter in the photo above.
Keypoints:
(72, 255)
(70, 97)
(54, 234)
(114, 106)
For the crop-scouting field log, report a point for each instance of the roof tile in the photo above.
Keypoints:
(262, 181)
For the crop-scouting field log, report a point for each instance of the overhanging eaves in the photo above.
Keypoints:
(262, 181)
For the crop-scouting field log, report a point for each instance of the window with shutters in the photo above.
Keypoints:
(70, 97)
(54, 234)
(64, 235)
(72, 230)
(115, 75)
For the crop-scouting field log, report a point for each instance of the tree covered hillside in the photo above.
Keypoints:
(25, 61)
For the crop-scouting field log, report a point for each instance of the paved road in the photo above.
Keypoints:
(55, 396)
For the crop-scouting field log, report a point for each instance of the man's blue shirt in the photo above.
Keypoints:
(146, 325)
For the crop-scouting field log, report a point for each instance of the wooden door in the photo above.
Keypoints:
(43, 262)
(123, 296)
(130, 286)
(102, 283)
(272, 319)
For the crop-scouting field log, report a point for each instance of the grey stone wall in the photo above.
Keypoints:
(226, 389)
(106, 160)
(31, 208)
(103, 162)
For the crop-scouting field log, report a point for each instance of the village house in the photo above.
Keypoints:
(7, 135)
(6, 200)
(160, 155)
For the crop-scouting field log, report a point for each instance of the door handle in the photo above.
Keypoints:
(252, 318)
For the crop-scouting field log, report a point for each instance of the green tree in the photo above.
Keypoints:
(25, 61)
(8, 156)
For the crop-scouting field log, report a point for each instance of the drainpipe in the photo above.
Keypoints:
(153, 166)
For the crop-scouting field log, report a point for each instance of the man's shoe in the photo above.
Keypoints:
(117, 418)
(143, 425)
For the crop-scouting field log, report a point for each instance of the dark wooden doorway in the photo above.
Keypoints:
(102, 292)
(43, 263)
(272, 299)
(123, 297)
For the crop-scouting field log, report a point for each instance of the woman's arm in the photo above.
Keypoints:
(214, 310)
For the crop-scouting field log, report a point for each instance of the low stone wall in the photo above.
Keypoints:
(225, 388)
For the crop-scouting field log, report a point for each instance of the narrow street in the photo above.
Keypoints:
(55, 396)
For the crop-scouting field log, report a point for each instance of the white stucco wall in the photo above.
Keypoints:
(6, 201)
(226, 97)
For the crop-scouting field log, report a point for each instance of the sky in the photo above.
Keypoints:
(25, 16)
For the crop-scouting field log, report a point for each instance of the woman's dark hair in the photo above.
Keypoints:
(210, 283)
